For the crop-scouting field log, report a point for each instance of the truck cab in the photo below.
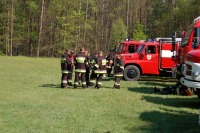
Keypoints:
(189, 58)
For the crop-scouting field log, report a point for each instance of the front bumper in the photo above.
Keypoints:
(189, 83)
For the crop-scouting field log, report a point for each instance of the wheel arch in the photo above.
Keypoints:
(137, 65)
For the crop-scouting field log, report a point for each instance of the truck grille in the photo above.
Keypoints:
(188, 70)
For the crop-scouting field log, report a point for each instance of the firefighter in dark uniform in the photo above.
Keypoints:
(87, 74)
(100, 69)
(118, 71)
(80, 68)
(65, 66)
(93, 76)
(71, 68)
(110, 60)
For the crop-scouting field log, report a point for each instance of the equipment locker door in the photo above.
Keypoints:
(166, 61)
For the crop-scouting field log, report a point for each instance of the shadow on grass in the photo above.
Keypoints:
(145, 90)
(156, 84)
(157, 78)
(50, 85)
(169, 121)
(184, 101)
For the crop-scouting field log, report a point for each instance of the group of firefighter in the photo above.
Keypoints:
(89, 70)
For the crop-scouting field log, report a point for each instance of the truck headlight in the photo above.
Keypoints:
(196, 75)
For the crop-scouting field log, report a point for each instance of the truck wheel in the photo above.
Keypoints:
(198, 92)
(198, 95)
(131, 73)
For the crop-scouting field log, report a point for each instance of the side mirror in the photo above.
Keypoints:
(173, 41)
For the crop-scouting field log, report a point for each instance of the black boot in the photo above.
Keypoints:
(75, 86)
(98, 86)
(69, 83)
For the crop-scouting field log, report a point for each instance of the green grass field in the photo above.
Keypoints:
(31, 101)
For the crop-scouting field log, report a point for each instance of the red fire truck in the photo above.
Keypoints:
(188, 59)
(150, 58)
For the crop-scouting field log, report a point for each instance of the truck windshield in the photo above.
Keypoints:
(186, 38)
(140, 48)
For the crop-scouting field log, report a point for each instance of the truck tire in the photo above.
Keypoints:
(198, 96)
(198, 93)
(131, 73)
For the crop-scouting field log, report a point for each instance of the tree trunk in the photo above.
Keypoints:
(85, 29)
(127, 18)
(11, 28)
(40, 30)
(79, 27)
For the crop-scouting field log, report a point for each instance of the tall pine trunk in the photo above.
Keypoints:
(40, 29)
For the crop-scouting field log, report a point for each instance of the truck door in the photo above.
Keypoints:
(150, 60)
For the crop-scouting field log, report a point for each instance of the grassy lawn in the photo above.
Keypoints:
(31, 101)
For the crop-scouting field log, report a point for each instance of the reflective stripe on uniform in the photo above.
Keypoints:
(65, 71)
(80, 59)
(92, 61)
(92, 81)
(64, 81)
(103, 62)
(80, 70)
(117, 83)
(108, 66)
(84, 83)
(62, 60)
(96, 65)
(100, 71)
(99, 83)
(75, 83)
(122, 67)
(118, 75)
(70, 81)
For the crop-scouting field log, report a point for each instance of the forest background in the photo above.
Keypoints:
(45, 28)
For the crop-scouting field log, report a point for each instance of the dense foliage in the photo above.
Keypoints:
(47, 27)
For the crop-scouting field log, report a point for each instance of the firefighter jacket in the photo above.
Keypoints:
(110, 60)
(87, 61)
(80, 62)
(119, 68)
(100, 66)
(65, 63)
(92, 61)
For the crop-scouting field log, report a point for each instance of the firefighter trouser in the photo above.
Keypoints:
(87, 76)
(69, 79)
(93, 77)
(64, 80)
(99, 80)
(109, 70)
(117, 82)
(76, 81)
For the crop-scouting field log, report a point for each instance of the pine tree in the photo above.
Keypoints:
(118, 32)
(138, 32)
